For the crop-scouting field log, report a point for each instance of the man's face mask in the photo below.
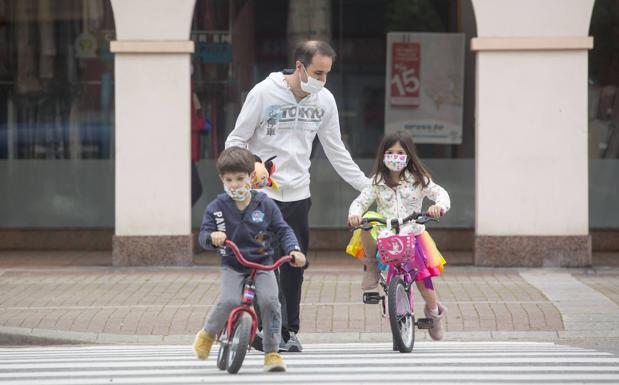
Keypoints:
(312, 85)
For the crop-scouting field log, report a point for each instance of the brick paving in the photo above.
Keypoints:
(79, 292)
(173, 301)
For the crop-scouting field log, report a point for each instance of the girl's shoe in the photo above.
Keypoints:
(273, 362)
(436, 332)
(202, 344)
(371, 274)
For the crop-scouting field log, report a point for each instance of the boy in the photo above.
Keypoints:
(248, 218)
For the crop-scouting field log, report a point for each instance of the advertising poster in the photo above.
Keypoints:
(425, 84)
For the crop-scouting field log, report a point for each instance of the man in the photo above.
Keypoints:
(281, 116)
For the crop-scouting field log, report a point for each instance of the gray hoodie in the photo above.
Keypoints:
(272, 122)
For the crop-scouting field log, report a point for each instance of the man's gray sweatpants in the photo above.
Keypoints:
(230, 291)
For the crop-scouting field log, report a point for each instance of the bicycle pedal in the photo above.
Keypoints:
(424, 323)
(372, 298)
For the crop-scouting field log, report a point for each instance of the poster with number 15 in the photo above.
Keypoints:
(424, 86)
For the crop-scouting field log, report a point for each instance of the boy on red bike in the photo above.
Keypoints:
(250, 219)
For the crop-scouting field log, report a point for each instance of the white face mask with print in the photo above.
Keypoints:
(312, 85)
(239, 194)
(395, 162)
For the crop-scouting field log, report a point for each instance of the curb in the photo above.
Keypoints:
(12, 336)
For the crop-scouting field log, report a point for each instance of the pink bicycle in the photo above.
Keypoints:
(397, 252)
(240, 329)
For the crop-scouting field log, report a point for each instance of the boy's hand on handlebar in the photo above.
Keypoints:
(298, 259)
(435, 211)
(218, 238)
(354, 220)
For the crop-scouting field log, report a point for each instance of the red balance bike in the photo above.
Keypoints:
(240, 329)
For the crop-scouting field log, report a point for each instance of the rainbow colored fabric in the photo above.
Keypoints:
(425, 250)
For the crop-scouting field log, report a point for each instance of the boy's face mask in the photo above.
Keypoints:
(395, 162)
(238, 192)
(311, 86)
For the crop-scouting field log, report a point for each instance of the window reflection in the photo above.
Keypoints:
(56, 79)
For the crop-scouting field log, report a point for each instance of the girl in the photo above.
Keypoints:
(399, 184)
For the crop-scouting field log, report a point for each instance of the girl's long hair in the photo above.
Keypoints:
(414, 166)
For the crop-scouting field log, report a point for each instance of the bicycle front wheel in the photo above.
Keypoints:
(239, 343)
(222, 356)
(401, 316)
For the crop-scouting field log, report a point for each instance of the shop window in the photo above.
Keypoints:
(604, 81)
(56, 79)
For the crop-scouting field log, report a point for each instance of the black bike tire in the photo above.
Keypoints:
(242, 330)
(393, 321)
(222, 355)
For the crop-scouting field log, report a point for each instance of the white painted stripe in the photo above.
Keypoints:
(184, 348)
(355, 369)
(308, 356)
(322, 361)
(290, 377)
(335, 352)
(340, 346)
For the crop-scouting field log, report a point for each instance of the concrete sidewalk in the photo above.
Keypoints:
(77, 297)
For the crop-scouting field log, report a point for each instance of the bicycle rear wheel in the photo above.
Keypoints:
(401, 316)
(239, 343)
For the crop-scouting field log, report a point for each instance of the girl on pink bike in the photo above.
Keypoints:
(399, 185)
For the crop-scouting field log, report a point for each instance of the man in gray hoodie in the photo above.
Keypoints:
(281, 116)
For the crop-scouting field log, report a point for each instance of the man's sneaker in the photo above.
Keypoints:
(283, 347)
(273, 362)
(293, 344)
(257, 342)
(202, 344)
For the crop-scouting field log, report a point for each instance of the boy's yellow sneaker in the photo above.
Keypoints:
(273, 362)
(202, 344)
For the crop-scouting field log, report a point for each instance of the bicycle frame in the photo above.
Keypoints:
(249, 289)
(407, 275)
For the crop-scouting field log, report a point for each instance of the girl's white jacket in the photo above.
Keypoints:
(401, 201)
(272, 122)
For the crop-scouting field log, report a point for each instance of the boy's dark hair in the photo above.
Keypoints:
(305, 51)
(414, 166)
(235, 159)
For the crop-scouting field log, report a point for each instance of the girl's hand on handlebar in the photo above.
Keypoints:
(435, 211)
(218, 238)
(354, 220)
(298, 259)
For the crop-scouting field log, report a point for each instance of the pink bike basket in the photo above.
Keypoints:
(396, 248)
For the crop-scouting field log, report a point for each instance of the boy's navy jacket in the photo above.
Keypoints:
(253, 230)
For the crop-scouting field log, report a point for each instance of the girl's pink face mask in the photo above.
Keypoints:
(395, 162)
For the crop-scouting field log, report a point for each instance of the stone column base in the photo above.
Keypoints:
(533, 251)
(176, 250)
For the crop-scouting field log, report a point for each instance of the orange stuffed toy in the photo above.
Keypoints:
(262, 174)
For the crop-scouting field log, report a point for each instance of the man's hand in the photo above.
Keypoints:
(354, 220)
(218, 238)
(435, 211)
(298, 259)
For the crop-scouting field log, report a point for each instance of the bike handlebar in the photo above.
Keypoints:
(253, 265)
(419, 218)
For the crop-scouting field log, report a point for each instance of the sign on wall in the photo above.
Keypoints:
(424, 84)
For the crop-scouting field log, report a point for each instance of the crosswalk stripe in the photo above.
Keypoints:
(434, 363)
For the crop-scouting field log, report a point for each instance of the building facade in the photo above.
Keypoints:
(105, 104)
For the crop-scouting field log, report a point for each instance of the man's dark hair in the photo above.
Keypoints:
(306, 50)
(235, 159)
